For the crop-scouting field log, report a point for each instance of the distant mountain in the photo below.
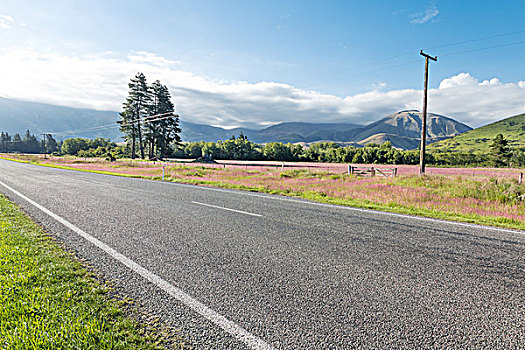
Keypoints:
(478, 140)
(402, 129)
(284, 132)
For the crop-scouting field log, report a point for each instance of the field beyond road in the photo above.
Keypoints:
(481, 196)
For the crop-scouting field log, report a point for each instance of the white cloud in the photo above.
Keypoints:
(462, 79)
(151, 58)
(101, 82)
(465, 80)
(493, 81)
(6, 21)
(421, 18)
(478, 103)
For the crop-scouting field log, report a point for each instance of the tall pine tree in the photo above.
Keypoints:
(499, 151)
(136, 107)
(165, 130)
(152, 126)
(149, 118)
(5, 139)
(48, 144)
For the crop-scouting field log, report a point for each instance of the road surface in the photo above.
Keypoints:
(240, 270)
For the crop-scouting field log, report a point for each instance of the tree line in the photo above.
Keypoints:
(236, 148)
(499, 154)
(29, 143)
(148, 120)
(240, 148)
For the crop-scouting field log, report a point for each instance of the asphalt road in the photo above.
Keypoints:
(289, 273)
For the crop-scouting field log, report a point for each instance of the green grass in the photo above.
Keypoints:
(478, 140)
(50, 301)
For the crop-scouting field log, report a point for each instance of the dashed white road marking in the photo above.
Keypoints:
(250, 340)
(347, 208)
(228, 209)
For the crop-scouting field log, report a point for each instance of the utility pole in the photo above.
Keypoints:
(44, 139)
(424, 121)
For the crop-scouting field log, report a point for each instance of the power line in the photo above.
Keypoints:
(362, 73)
(370, 63)
(104, 126)
(478, 39)
(483, 48)
(410, 53)
(99, 127)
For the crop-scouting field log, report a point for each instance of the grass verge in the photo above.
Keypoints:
(50, 301)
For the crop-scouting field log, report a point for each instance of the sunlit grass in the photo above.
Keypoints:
(49, 301)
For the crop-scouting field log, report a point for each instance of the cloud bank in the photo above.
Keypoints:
(100, 82)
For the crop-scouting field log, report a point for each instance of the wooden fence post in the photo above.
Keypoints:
(521, 178)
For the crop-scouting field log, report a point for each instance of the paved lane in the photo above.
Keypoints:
(294, 274)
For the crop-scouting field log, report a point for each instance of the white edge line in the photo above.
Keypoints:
(223, 208)
(252, 341)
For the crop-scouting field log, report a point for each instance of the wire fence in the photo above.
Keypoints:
(339, 168)
(331, 168)
(335, 168)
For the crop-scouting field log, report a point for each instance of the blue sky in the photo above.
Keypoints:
(254, 63)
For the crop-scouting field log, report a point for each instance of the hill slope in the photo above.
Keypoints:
(478, 140)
